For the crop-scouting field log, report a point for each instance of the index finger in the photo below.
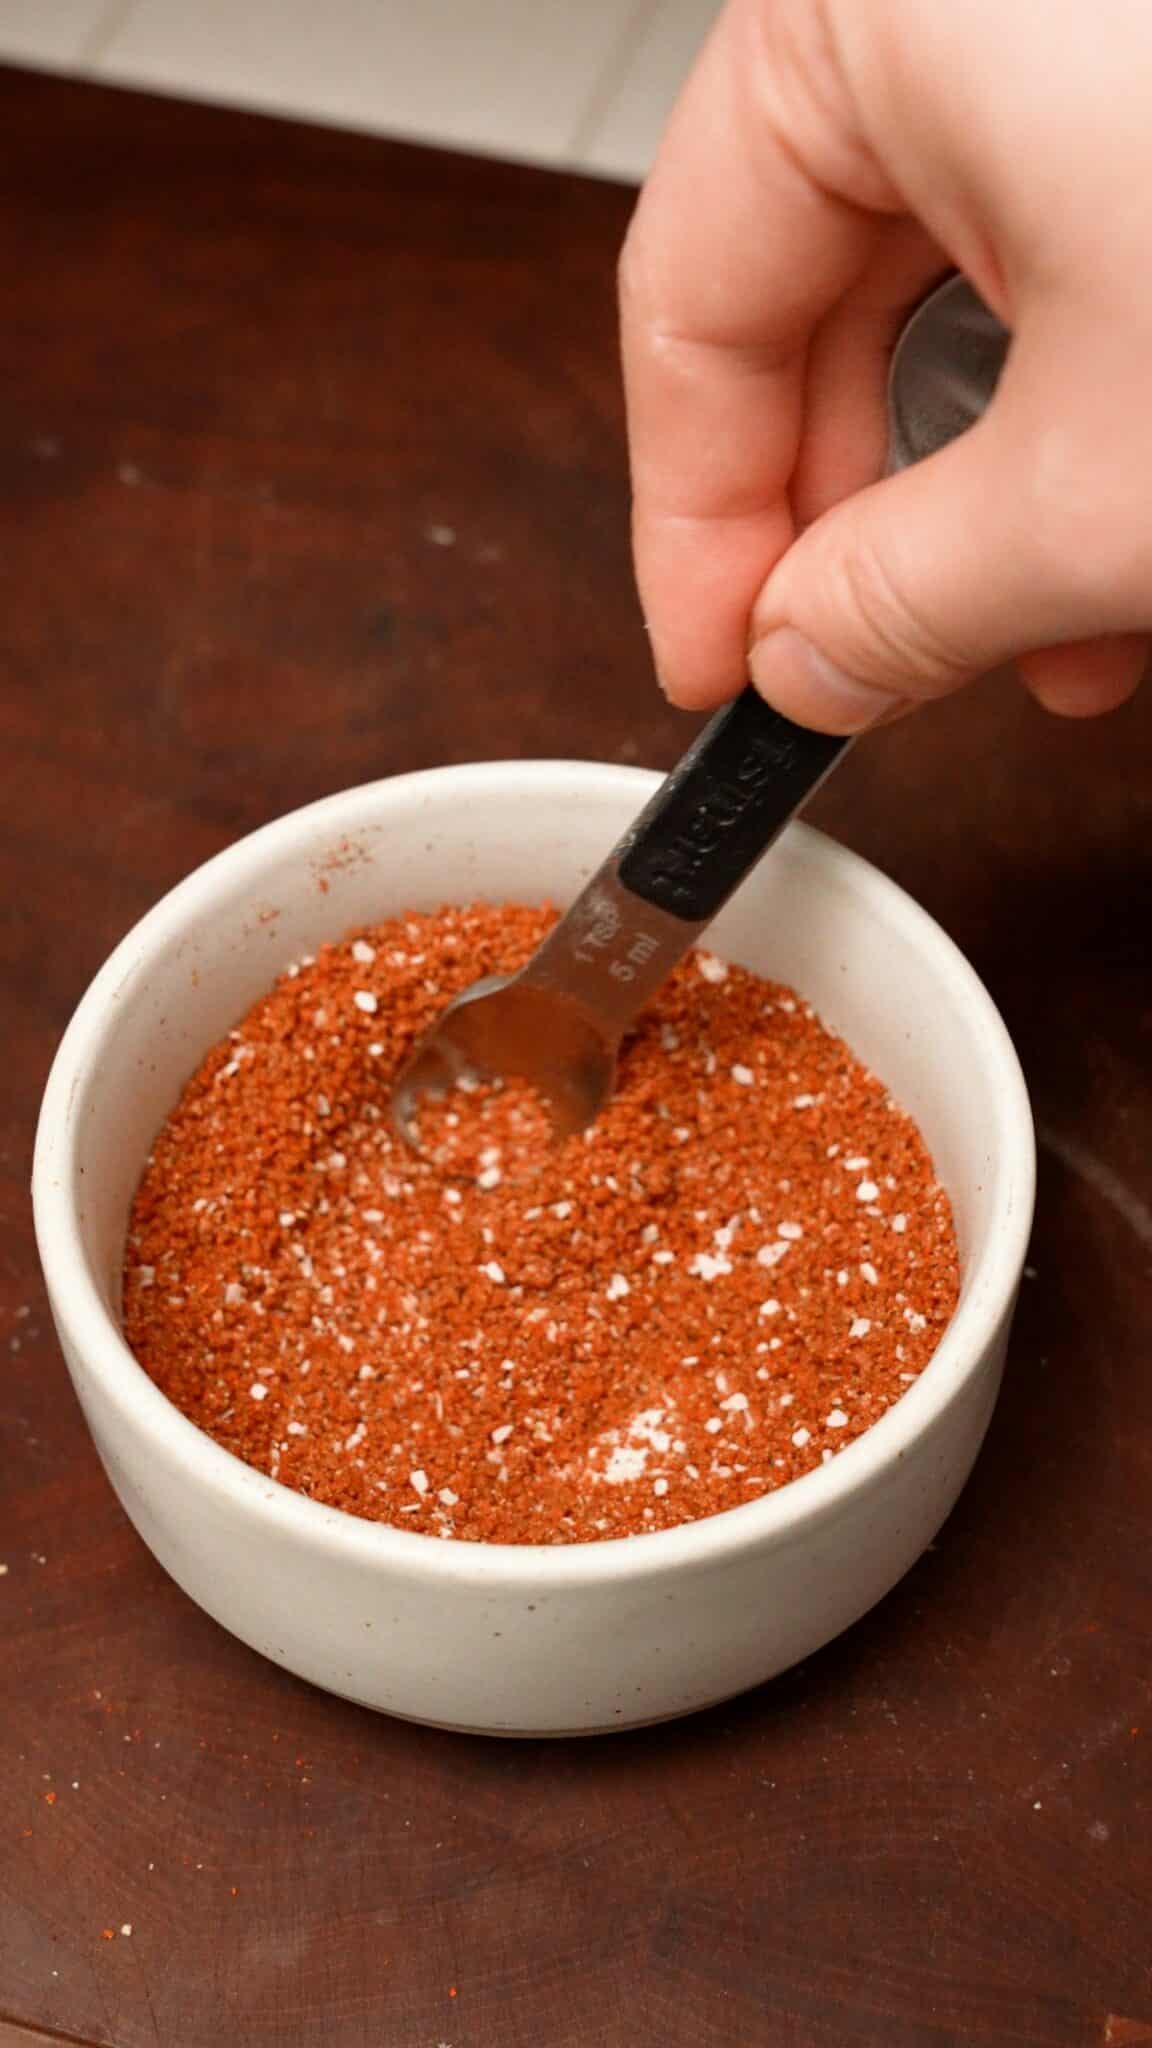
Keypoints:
(733, 257)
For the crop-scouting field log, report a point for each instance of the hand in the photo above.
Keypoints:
(828, 160)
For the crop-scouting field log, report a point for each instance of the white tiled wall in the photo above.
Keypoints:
(621, 137)
(580, 82)
(53, 34)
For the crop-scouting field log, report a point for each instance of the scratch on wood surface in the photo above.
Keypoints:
(25, 2034)
(1100, 1176)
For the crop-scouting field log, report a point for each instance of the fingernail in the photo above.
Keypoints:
(806, 686)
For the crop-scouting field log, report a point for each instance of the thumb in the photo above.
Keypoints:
(910, 588)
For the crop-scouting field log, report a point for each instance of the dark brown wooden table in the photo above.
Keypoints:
(312, 466)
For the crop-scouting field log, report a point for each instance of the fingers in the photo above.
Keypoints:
(733, 259)
(758, 310)
(1086, 677)
(844, 442)
(1001, 543)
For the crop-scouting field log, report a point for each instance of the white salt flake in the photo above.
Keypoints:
(660, 1488)
(494, 1271)
(868, 1272)
(800, 1437)
(899, 1224)
(258, 1390)
(448, 1497)
(645, 1428)
(711, 968)
(617, 1288)
(805, 1101)
(836, 1419)
(297, 1429)
(627, 1461)
(713, 1425)
(707, 1267)
(735, 1404)
(502, 1434)
(286, 1218)
(856, 1165)
(861, 1325)
(791, 1231)
(490, 1177)
(146, 1275)
(126, 1927)
(867, 1191)
(418, 1480)
(744, 1076)
(233, 1294)
(363, 952)
(771, 1254)
(366, 1001)
(770, 1307)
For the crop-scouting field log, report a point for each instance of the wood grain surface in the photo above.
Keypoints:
(312, 469)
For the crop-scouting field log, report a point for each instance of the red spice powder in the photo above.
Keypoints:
(729, 1277)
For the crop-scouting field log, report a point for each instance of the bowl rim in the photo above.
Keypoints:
(776, 1518)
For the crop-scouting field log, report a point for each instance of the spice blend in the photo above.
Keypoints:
(731, 1275)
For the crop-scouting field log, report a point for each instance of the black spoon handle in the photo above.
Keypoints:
(736, 788)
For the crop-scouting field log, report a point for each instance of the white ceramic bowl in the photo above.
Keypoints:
(503, 1638)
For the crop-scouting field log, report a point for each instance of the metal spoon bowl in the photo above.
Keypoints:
(506, 1026)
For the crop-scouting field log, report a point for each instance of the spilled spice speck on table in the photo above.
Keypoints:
(731, 1275)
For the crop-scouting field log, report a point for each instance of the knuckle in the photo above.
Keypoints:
(627, 270)
(895, 633)
(636, 271)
